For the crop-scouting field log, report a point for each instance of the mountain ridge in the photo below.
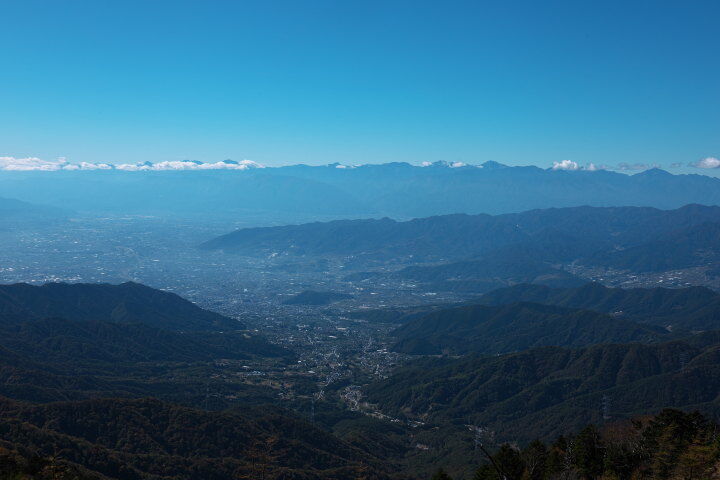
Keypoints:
(123, 303)
(465, 235)
(395, 189)
(514, 327)
(544, 392)
(686, 308)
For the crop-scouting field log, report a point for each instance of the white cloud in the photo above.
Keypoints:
(444, 163)
(574, 166)
(31, 163)
(34, 163)
(174, 166)
(709, 162)
(565, 165)
(592, 167)
(193, 165)
(129, 167)
(38, 164)
(95, 166)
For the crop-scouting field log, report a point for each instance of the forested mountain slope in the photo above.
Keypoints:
(542, 393)
(686, 308)
(514, 327)
(149, 439)
(557, 233)
(125, 303)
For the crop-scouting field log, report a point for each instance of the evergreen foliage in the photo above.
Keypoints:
(672, 445)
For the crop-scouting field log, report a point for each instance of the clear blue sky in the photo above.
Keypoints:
(282, 82)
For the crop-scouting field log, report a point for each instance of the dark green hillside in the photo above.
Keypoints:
(51, 359)
(72, 342)
(508, 328)
(22, 464)
(149, 439)
(541, 393)
(692, 308)
(126, 303)
(694, 246)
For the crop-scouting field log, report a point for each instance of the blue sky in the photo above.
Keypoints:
(283, 82)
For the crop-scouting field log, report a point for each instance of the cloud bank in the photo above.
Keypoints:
(572, 166)
(188, 165)
(31, 163)
(38, 164)
(709, 162)
(9, 163)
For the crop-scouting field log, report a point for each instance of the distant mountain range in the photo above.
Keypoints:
(399, 190)
(478, 253)
(548, 233)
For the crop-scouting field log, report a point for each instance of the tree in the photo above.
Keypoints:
(486, 472)
(510, 462)
(534, 458)
(505, 464)
(261, 457)
(589, 452)
(698, 461)
(441, 475)
(669, 434)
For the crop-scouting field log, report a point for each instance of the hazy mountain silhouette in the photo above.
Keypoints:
(396, 189)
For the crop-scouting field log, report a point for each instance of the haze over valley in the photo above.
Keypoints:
(315, 320)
